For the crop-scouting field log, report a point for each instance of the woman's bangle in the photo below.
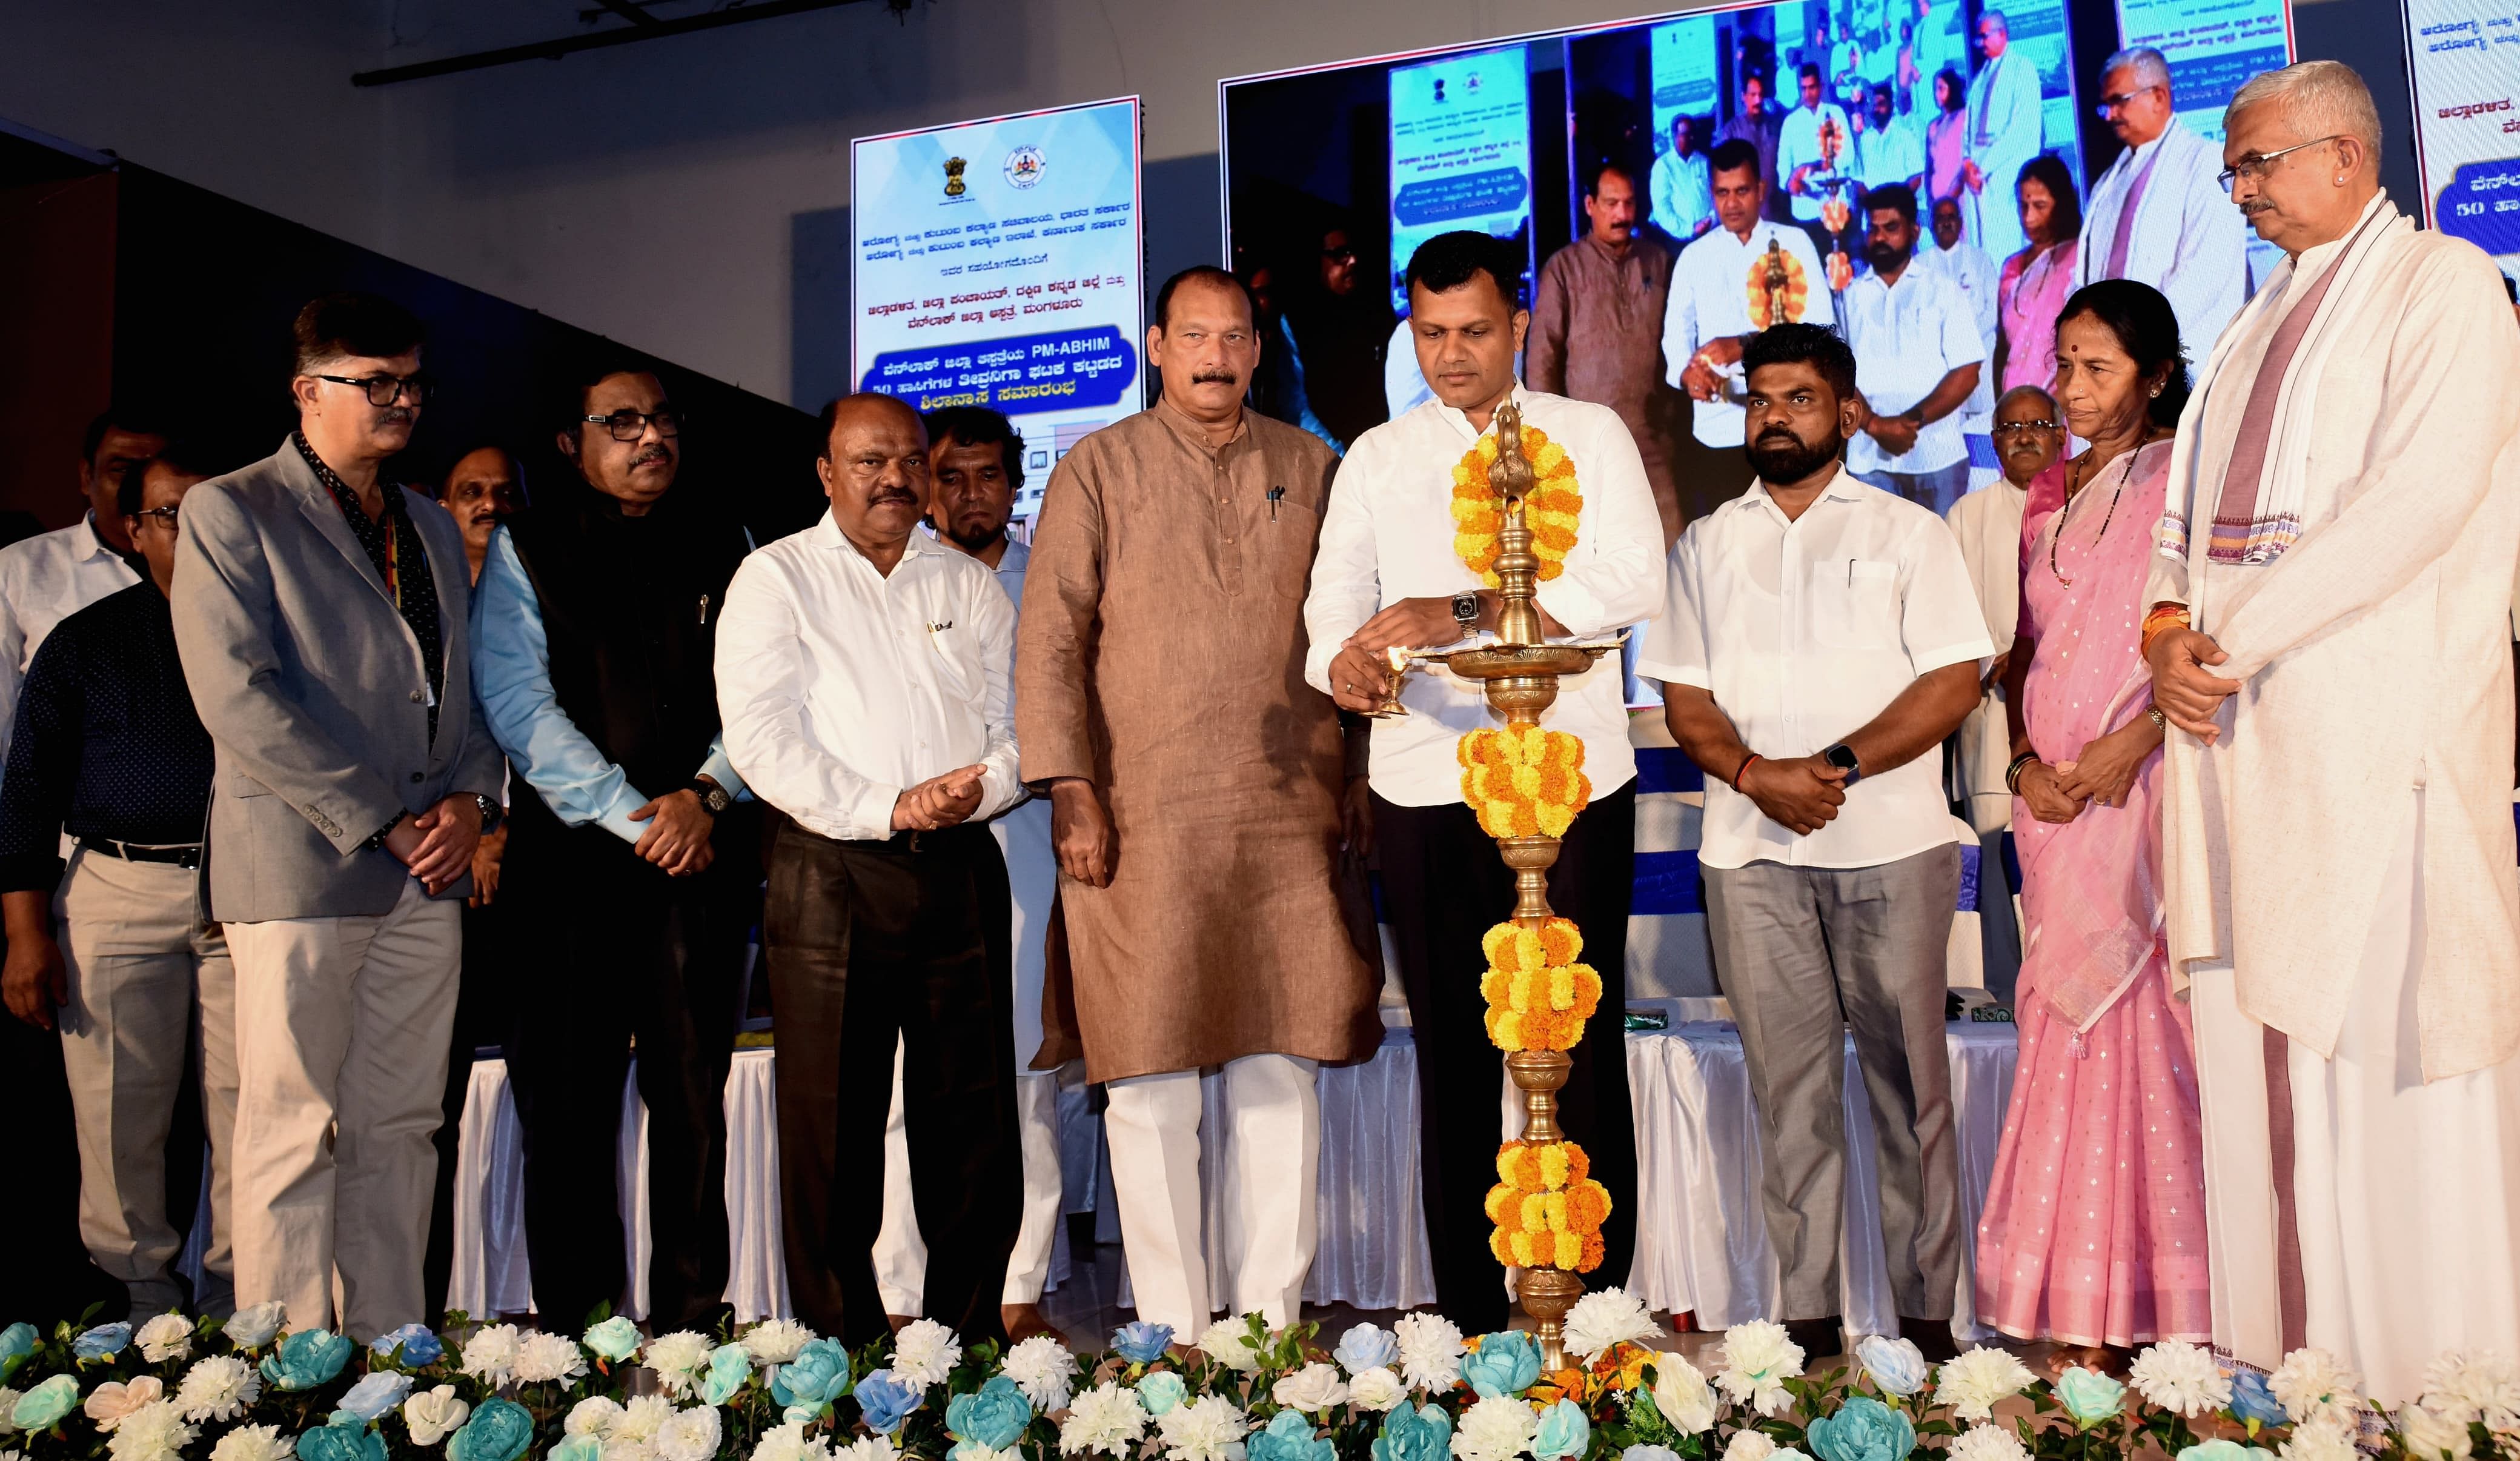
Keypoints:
(2012, 773)
(1748, 763)
(2159, 721)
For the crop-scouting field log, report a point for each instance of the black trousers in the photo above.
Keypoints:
(1444, 888)
(867, 944)
(613, 949)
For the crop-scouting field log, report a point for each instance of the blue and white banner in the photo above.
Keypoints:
(1461, 152)
(2213, 47)
(2463, 58)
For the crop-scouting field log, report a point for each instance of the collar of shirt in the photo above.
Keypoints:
(1460, 420)
(92, 544)
(827, 535)
(1195, 433)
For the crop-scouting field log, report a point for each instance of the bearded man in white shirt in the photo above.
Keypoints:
(2330, 639)
(1919, 358)
(1386, 575)
(865, 684)
(2160, 215)
(1817, 640)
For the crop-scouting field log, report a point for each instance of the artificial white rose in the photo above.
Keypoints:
(167, 1337)
(1986, 1443)
(2313, 1384)
(869, 1448)
(1976, 1380)
(925, 1353)
(789, 1442)
(108, 1403)
(2180, 1378)
(218, 1387)
(593, 1416)
(689, 1434)
(2480, 1385)
(775, 1341)
(2319, 1441)
(1228, 1342)
(1498, 1428)
(1316, 1386)
(639, 1420)
(253, 1443)
(677, 1359)
(1207, 1429)
(1376, 1389)
(1749, 1445)
(1430, 1351)
(1044, 1370)
(1107, 1419)
(542, 1359)
(490, 1355)
(1602, 1319)
(433, 1415)
(154, 1432)
(253, 1327)
(1683, 1395)
(2431, 1436)
(1758, 1359)
(9, 1399)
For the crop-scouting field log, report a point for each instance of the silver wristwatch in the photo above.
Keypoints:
(1465, 612)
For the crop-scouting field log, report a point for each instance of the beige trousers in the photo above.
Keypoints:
(145, 975)
(342, 1027)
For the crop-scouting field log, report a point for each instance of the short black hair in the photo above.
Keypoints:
(2059, 182)
(181, 455)
(334, 326)
(1592, 176)
(1448, 260)
(118, 415)
(978, 426)
(1732, 155)
(1897, 196)
(1212, 275)
(1807, 71)
(831, 416)
(2147, 329)
(1818, 345)
(587, 370)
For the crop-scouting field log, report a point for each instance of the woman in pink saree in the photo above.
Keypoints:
(2093, 1234)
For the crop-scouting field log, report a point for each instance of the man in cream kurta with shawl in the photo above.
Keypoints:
(1196, 786)
(2344, 512)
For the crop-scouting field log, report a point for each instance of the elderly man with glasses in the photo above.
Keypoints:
(2157, 215)
(319, 614)
(633, 870)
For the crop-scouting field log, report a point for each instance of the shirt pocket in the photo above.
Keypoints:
(954, 658)
(1855, 604)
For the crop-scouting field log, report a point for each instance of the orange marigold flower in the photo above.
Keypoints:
(1591, 1254)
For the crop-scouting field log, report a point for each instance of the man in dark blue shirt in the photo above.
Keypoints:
(108, 749)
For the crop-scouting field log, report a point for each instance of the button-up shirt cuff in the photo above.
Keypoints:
(869, 818)
(616, 816)
(1056, 759)
(719, 769)
(1579, 608)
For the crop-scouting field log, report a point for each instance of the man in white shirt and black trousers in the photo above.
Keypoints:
(865, 681)
(1817, 640)
(1384, 574)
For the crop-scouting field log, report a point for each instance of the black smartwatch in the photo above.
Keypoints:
(713, 797)
(1842, 757)
(492, 814)
(1465, 612)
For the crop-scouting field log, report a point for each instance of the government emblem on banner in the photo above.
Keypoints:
(953, 185)
(1024, 165)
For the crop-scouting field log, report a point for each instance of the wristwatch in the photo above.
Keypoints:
(1842, 757)
(1465, 612)
(492, 814)
(713, 797)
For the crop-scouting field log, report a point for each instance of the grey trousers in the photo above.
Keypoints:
(1804, 954)
(1937, 490)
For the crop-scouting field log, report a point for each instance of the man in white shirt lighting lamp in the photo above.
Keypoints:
(863, 675)
(1818, 639)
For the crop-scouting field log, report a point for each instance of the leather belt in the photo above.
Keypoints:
(181, 855)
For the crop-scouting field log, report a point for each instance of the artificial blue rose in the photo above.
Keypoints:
(1424, 1433)
(104, 1342)
(2252, 1403)
(343, 1437)
(1862, 1430)
(39, 1408)
(1563, 1433)
(813, 1380)
(1366, 1347)
(577, 1448)
(887, 1399)
(615, 1338)
(306, 1359)
(499, 1431)
(729, 1366)
(1505, 1364)
(1142, 1343)
(17, 1343)
(1161, 1392)
(375, 1393)
(1897, 1366)
(993, 1416)
(2088, 1396)
(413, 1344)
(1289, 1437)
(2226, 1450)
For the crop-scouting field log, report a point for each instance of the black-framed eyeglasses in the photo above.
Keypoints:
(166, 515)
(2017, 428)
(416, 386)
(630, 425)
(2254, 168)
(2110, 104)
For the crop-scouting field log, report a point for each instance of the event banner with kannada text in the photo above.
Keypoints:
(1461, 152)
(997, 263)
(2464, 56)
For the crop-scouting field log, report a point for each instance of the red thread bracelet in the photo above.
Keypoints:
(1752, 759)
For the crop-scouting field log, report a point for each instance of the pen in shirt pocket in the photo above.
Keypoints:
(1276, 495)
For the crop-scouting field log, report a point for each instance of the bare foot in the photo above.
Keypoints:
(1023, 1321)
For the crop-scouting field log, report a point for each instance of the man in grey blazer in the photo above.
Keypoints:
(321, 616)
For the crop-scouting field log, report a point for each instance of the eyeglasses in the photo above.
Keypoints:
(382, 390)
(164, 514)
(1342, 255)
(2017, 428)
(2110, 104)
(2254, 169)
(630, 425)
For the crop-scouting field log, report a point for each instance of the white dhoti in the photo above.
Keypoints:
(2397, 1236)
(900, 1254)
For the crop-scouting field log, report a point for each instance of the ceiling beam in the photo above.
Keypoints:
(629, 11)
(619, 36)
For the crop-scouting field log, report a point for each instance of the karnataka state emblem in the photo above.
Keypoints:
(954, 177)
(1024, 165)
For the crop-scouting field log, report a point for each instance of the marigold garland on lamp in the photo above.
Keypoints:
(1547, 1211)
(1550, 509)
(1537, 996)
(1523, 781)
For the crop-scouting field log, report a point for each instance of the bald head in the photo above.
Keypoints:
(873, 468)
(860, 403)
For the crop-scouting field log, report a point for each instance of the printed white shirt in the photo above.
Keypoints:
(840, 687)
(1710, 298)
(1804, 630)
(1979, 280)
(44, 580)
(1906, 338)
(1798, 144)
(1387, 535)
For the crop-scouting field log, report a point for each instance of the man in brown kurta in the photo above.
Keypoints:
(1596, 332)
(1197, 788)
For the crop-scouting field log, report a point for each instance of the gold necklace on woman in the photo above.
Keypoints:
(2105, 520)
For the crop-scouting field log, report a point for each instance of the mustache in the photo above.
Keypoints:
(882, 495)
(656, 453)
(394, 416)
(1216, 378)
